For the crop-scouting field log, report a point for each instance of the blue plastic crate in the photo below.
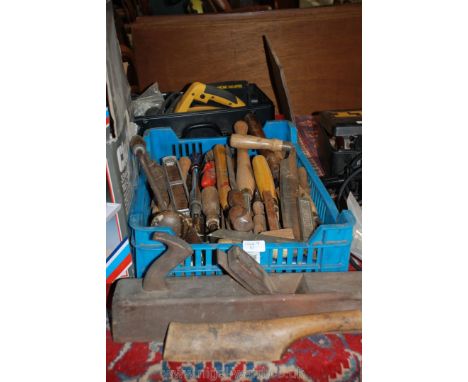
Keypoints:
(327, 250)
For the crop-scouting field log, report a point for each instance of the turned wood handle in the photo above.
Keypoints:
(273, 158)
(222, 179)
(251, 142)
(210, 207)
(263, 176)
(184, 164)
(244, 176)
(251, 340)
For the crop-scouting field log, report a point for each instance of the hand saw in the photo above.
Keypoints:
(206, 93)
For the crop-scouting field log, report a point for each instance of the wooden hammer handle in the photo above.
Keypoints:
(256, 143)
(251, 340)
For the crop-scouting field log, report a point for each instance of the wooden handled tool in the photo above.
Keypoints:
(266, 188)
(154, 173)
(289, 192)
(256, 143)
(208, 174)
(273, 158)
(245, 178)
(240, 215)
(222, 179)
(210, 207)
(259, 340)
(308, 215)
(184, 163)
(259, 219)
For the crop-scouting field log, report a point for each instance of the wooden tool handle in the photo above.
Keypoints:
(266, 188)
(289, 192)
(271, 210)
(210, 207)
(304, 188)
(222, 179)
(259, 217)
(241, 127)
(273, 158)
(254, 126)
(251, 340)
(263, 176)
(184, 164)
(256, 143)
(244, 176)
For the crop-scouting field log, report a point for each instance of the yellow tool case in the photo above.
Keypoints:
(208, 110)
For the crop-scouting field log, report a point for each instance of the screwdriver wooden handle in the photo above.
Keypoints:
(266, 188)
(263, 177)
(210, 207)
(259, 217)
(222, 179)
(244, 176)
(256, 143)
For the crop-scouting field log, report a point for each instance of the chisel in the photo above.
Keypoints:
(289, 192)
(222, 179)
(266, 188)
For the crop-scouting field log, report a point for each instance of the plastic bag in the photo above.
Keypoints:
(150, 98)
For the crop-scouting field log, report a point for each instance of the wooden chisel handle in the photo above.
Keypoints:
(289, 192)
(251, 340)
(244, 176)
(222, 179)
(184, 164)
(259, 216)
(266, 188)
(251, 142)
(263, 176)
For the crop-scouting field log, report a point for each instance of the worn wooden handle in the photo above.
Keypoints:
(263, 176)
(273, 158)
(256, 143)
(184, 164)
(222, 179)
(251, 340)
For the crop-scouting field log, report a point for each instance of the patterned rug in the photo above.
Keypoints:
(318, 358)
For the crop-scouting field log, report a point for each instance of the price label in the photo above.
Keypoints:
(253, 248)
(253, 245)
